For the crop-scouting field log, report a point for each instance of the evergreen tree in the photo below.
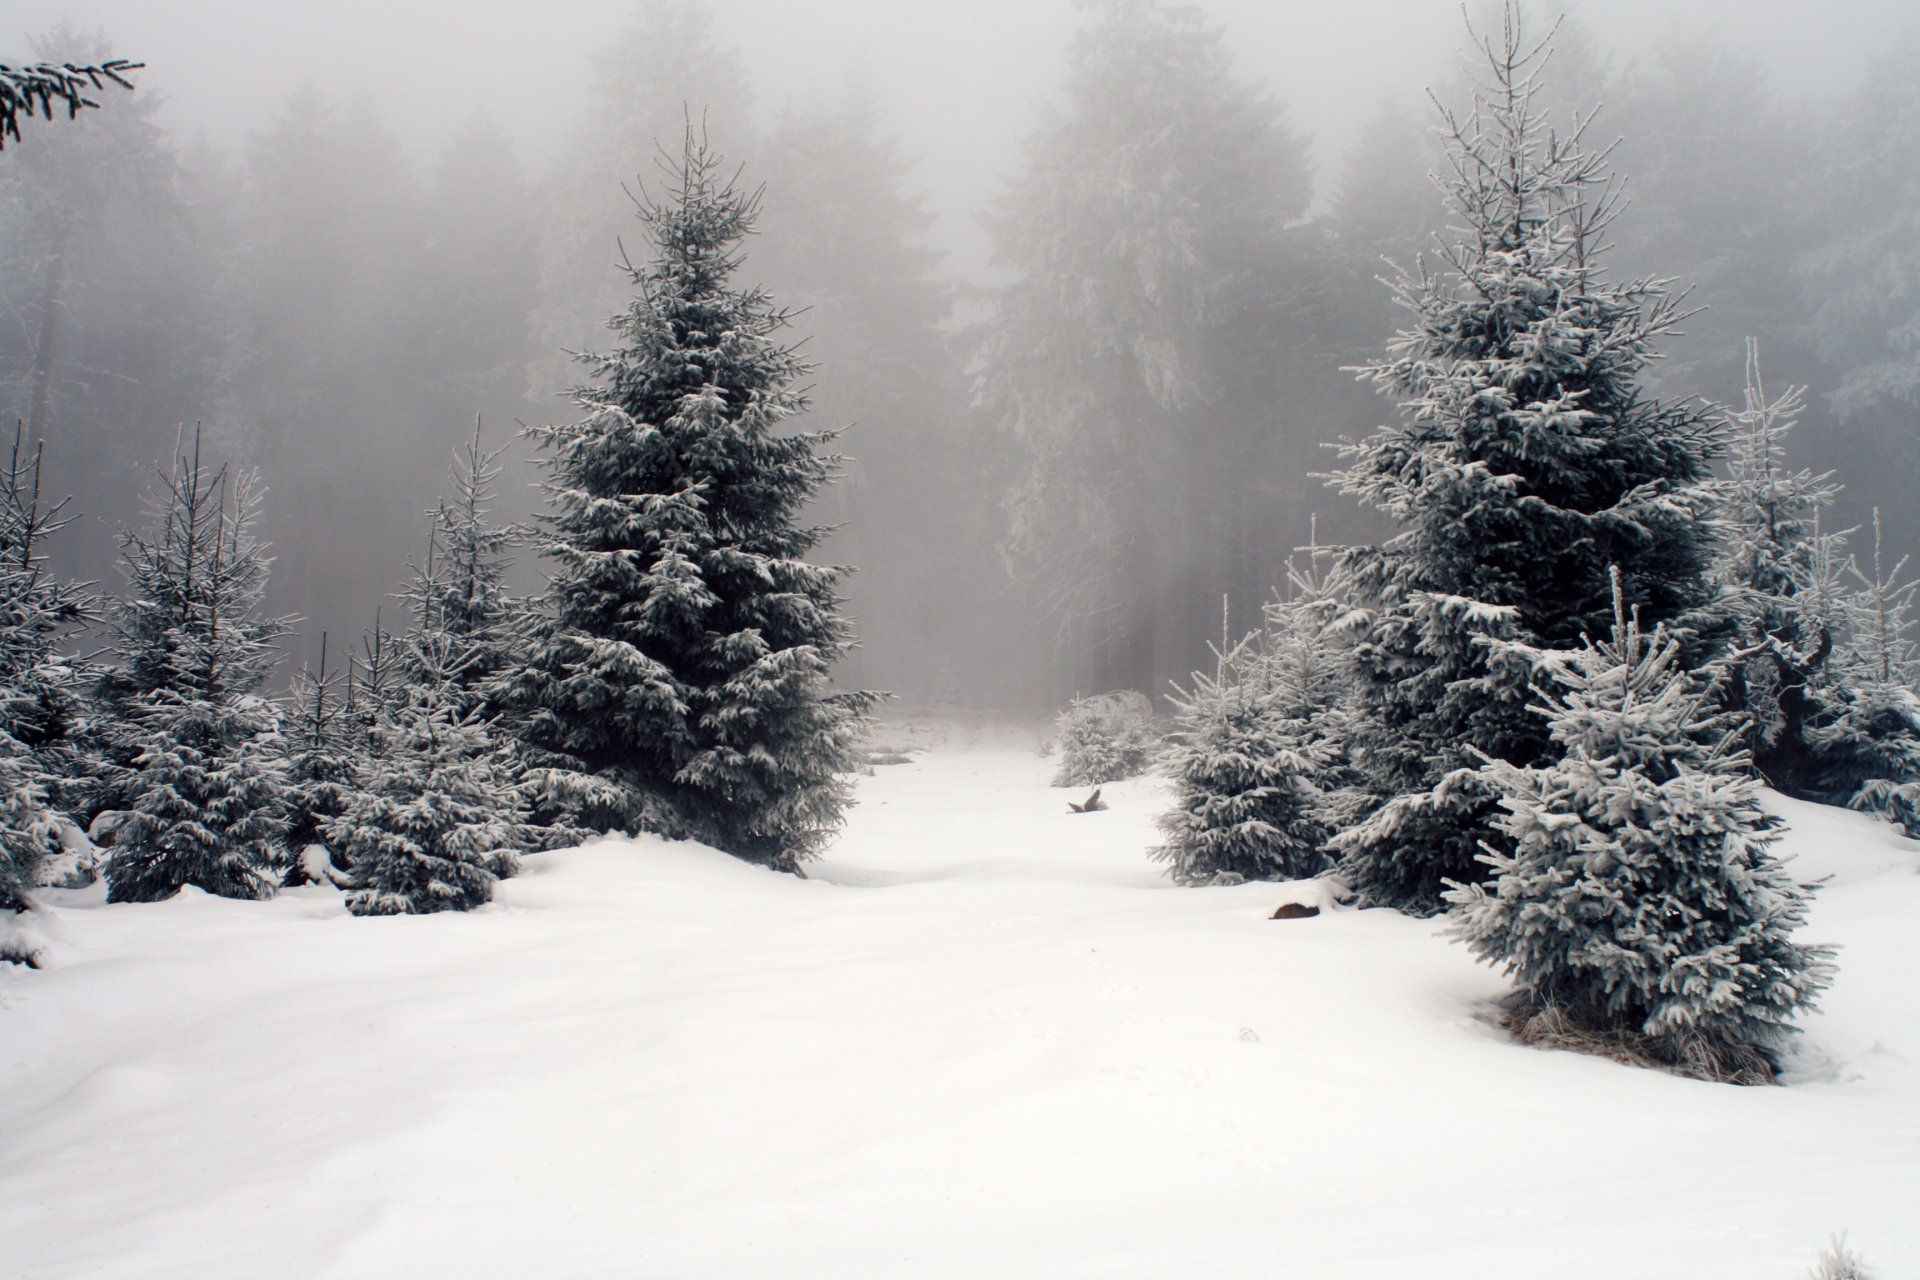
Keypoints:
(1312, 678)
(320, 772)
(332, 319)
(1246, 801)
(1860, 280)
(38, 693)
(1872, 740)
(679, 681)
(1136, 359)
(462, 589)
(195, 753)
(1636, 900)
(373, 681)
(1527, 462)
(1105, 737)
(437, 811)
(1781, 572)
(853, 255)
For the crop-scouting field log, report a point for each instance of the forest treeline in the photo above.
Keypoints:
(1053, 480)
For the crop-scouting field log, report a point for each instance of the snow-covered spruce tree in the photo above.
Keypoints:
(38, 685)
(1526, 462)
(1305, 646)
(1872, 740)
(194, 752)
(678, 682)
(437, 811)
(373, 680)
(1246, 803)
(321, 766)
(1781, 570)
(1105, 737)
(463, 589)
(1635, 900)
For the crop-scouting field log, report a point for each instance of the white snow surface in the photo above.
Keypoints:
(985, 1038)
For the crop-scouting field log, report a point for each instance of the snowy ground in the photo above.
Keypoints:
(985, 1039)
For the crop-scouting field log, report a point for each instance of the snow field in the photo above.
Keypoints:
(984, 1038)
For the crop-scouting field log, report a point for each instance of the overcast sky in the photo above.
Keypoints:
(961, 78)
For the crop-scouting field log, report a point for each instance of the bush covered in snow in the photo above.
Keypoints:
(1244, 766)
(1838, 1262)
(1105, 738)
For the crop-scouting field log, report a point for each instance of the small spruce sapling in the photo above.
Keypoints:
(1877, 728)
(1105, 738)
(463, 587)
(199, 753)
(1781, 571)
(1635, 899)
(438, 809)
(1246, 806)
(320, 773)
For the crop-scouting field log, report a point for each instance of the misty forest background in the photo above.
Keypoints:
(1058, 463)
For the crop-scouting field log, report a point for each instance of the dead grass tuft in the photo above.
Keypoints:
(1699, 1057)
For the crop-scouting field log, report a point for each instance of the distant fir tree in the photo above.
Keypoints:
(1782, 573)
(1873, 737)
(854, 255)
(1134, 358)
(437, 811)
(1859, 274)
(679, 683)
(638, 89)
(1635, 899)
(321, 766)
(196, 752)
(1527, 462)
(39, 693)
(1245, 769)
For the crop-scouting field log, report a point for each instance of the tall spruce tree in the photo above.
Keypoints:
(679, 682)
(1636, 900)
(1527, 462)
(195, 753)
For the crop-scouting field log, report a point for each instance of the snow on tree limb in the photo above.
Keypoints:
(36, 87)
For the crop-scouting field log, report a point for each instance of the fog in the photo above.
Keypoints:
(336, 233)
